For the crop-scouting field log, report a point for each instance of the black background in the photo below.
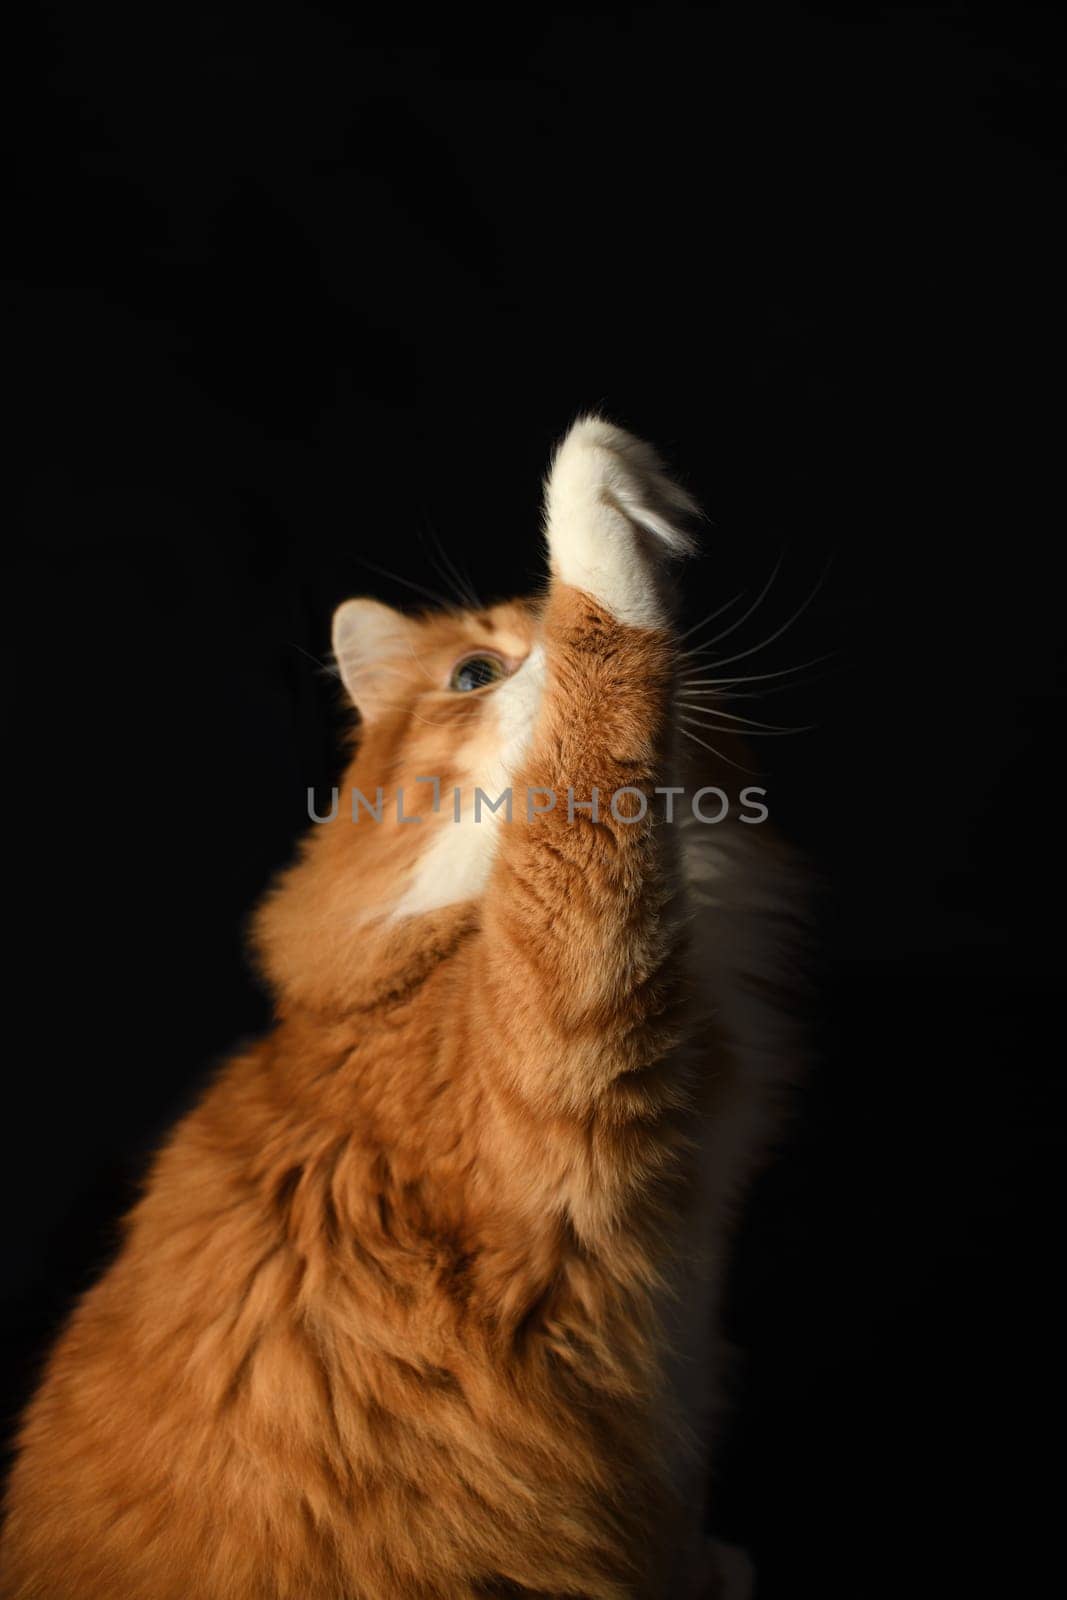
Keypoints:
(292, 290)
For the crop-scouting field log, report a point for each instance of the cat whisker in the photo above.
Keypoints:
(696, 658)
(462, 585)
(731, 716)
(753, 677)
(685, 732)
(788, 623)
(408, 583)
(456, 597)
(697, 652)
(752, 608)
(327, 668)
(756, 694)
(729, 694)
(710, 618)
(751, 729)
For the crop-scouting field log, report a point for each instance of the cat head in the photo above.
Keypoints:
(444, 706)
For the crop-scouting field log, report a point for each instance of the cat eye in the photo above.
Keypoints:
(475, 671)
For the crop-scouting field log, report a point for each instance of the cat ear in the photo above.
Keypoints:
(365, 635)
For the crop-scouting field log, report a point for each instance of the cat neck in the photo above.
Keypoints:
(324, 950)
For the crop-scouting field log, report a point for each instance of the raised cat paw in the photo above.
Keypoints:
(611, 516)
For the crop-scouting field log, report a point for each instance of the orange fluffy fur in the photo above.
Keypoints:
(386, 1324)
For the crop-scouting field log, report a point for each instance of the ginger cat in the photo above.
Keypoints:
(393, 1319)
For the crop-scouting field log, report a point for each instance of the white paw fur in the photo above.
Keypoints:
(611, 517)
